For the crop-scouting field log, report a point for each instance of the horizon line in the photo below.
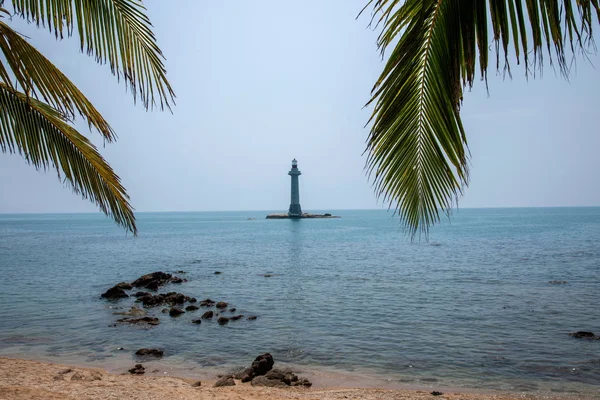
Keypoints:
(272, 210)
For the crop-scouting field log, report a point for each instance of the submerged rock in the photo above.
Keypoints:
(144, 320)
(207, 315)
(176, 312)
(223, 320)
(159, 276)
(236, 317)
(207, 303)
(114, 293)
(225, 381)
(252, 318)
(557, 282)
(142, 294)
(584, 335)
(150, 352)
(196, 321)
(221, 304)
(191, 308)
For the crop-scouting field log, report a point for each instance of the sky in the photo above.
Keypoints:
(260, 83)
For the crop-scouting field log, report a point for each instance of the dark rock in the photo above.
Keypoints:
(150, 352)
(221, 304)
(115, 293)
(232, 309)
(267, 275)
(225, 381)
(223, 320)
(192, 300)
(142, 294)
(164, 311)
(181, 272)
(436, 393)
(171, 298)
(217, 272)
(327, 215)
(207, 303)
(196, 321)
(138, 369)
(262, 364)
(144, 320)
(236, 317)
(557, 282)
(207, 315)
(176, 279)
(584, 335)
(242, 372)
(175, 311)
(247, 378)
(153, 285)
(124, 286)
(160, 277)
(264, 381)
(191, 308)
(197, 384)
(252, 318)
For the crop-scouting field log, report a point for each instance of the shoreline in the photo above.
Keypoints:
(32, 379)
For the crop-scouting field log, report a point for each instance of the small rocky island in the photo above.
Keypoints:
(303, 215)
(295, 211)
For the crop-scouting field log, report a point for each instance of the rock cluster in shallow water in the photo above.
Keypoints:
(262, 373)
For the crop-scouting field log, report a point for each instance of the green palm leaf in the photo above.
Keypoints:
(417, 147)
(40, 78)
(114, 31)
(44, 137)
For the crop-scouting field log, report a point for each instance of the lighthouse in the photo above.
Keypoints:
(295, 209)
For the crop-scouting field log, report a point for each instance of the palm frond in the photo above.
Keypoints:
(38, 77)
(417, 147)
(114, 31)
(45, 139)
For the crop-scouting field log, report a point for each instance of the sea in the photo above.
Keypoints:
(486, 302)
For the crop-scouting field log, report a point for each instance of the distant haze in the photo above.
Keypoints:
(259, 83)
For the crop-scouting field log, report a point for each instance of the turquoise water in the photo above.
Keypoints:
(472, 307)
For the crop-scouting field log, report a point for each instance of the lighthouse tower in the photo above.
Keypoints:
(295, 209)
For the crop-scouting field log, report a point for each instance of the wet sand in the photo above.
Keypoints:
(27, 379)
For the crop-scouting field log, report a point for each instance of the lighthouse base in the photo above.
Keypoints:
(303, 215)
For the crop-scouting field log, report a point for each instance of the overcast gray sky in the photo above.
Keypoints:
(261, 82)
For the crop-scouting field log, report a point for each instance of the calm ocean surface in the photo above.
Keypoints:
(473, 307)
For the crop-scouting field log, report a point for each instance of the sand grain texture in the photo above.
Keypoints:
(33, 380)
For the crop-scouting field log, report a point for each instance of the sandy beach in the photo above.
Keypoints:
(34, 380)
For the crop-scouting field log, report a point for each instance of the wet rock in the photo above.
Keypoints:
(207, 315)
(207, 303)
(221, 304)
(181, 272)
(176, 279)
(196, 321)
(175, 312)
(150, 352)
(171, 298)
(262, 364)
(225, 381)
(252, 318)
(232, 309)
(557, 282)
(114, 293)
(197, 384)
(138, 369)
(142, 294)
(164, 311)
(223, 320)
(192, 300)
(77, 377)
(191, 308)
(159, 277)
(124, 286)
(153, 285)
(236, 317)
(268, 275)
(264, 381)
(144, 320)
(436, 393)
(217, 272)
(584, 335)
